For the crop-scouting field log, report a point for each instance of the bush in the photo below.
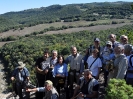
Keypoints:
(118, 89)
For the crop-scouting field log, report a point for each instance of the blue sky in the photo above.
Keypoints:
(19, 5)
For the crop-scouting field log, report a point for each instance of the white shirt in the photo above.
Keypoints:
(95, 65)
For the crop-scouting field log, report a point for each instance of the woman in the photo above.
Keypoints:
(94, 63)
(60, 73)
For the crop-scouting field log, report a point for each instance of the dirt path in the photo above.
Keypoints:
(3, 84)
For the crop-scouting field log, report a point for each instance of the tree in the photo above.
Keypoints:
(118, 89)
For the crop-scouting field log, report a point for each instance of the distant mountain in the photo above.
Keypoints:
(68, 13)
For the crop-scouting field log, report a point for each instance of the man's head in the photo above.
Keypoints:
(87, 74)
(54, 54)
(127, 49)
(119, 49)
(46, 54)
(20, 65)
(48, 85)
(96, 42)
(124, 39)
(112, 37)
(74, 50)
(109, 44)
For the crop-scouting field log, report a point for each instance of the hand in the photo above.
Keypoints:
(12, 78)
(45, 71)
(52, 66)
(59, 75)
(80, 94)
(28, 90)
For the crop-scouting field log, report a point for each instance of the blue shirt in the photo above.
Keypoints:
(52, 94)
(60, 69)
(20, 76)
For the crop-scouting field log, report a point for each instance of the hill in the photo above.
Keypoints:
(67, 13)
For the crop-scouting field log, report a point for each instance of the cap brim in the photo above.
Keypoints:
(21, 66)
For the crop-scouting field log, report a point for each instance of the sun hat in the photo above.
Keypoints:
(20, 64)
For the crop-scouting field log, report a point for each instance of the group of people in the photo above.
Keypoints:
(55, 72)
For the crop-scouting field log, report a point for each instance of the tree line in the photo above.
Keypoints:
(67, 13)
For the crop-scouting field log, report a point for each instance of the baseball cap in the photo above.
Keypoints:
(97, 39)
(109, 43)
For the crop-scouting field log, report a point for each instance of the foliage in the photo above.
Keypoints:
(29, 48)
(68, 13)
(118, 89)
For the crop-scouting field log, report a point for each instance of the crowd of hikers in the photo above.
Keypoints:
(78, 74)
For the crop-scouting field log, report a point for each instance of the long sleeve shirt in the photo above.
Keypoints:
(61, 69)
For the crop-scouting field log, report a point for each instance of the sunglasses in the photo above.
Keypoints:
(108, 45)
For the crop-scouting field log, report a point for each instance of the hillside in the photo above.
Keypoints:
(58, 27)
(67, 13)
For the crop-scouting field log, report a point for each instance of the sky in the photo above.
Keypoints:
(20, 5)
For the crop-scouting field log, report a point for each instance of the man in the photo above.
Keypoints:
(42, 68)
(21, 75)
(129, 55)
(120, 63)
(50, 91)
(112, 38)
(107, 60)
(74, 60)
(96, 46)
(53, 61)
(87, 88)
(123, 39)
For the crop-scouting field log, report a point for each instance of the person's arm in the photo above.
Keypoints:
(39, 89)
(76, 91)
(99, 68)
(13, 75)
(31, 90)
(67, 60)
(122, 68)
(55, 70)
(38, 70)
(82, 67)
(94, 93)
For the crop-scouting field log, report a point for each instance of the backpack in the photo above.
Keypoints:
(130, 61)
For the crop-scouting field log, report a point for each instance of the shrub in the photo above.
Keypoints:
(118, 89)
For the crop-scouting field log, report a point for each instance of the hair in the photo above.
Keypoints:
(46, 51)
(88, 70)
(72, 47)
(49, 84)
(59, 58)
(113, 36)
(95, 50)
(128, 47)
(55, 51)
(121, 47)
(122, 36)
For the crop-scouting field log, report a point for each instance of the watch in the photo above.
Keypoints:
(84, 95)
